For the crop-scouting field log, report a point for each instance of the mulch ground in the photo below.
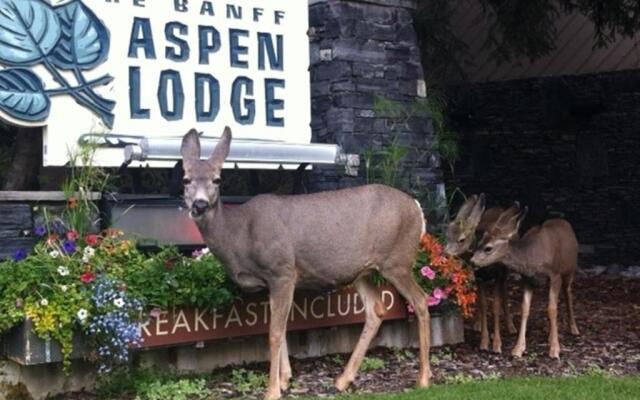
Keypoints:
(607, 313)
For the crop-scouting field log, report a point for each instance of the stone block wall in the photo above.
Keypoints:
(360, 50)
(565, 146)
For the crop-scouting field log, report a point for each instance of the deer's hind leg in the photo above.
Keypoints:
(567, 280)
(374, 310)
(554, 291)
(403, 281)
(497, 339)
(285, 365)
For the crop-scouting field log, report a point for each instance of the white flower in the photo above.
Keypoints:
(63, 271)
(64, 288)
(44, 302)
(85, 259)
(118, 302)
(82, 314)
(89, 251)
(54, 253)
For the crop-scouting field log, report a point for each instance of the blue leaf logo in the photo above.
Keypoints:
(29, 30)
(22, 95)
(69, 37)
(84, 42)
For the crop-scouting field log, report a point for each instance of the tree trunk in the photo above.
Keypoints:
(26, 161)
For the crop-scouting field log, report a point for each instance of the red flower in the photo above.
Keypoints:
(72, 235)
(51, 239)
(87, 277)
(91, 240)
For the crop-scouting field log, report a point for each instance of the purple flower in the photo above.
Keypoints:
(19, 254)
(68, 247)
(39, 230)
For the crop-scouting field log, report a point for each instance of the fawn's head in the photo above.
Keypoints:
(494, 244)
(202, 178)
(461, 231)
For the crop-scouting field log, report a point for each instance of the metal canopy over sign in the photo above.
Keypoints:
(154, 68)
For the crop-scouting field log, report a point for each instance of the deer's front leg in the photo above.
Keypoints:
(280, 299)
(484, 329)
(497, 340)
(521, 344)
(504, 295)
(552, 309)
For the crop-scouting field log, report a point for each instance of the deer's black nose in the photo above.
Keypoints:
(200, 206)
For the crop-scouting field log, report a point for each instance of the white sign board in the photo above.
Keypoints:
(154, 68)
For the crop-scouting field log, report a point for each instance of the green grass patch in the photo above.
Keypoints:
(582, 388)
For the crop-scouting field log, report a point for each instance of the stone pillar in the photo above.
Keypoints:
(360, 50)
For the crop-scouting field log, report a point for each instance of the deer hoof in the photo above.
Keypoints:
(517, 351)
(497, 348)
(575, 331)
(554, 353)
(423, 381)
(342, 383)
(511, 328)
(273, 394)
(484, 345)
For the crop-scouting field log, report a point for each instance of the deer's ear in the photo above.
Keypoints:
(473, 220)
(190, 149)
(516, 221)
(466, 208)
(221, 152)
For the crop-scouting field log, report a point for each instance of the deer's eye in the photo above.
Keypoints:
(462, 239)
(186, 181)
(488, 249)
(216, 181)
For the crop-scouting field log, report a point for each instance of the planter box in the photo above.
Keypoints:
(247, 317)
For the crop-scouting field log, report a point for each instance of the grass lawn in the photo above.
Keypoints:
(581, 388)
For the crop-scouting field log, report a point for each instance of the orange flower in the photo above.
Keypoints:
(72, 202)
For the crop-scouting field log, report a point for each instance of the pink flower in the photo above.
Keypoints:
(410, 309)
(155, 312)
(427, 273)
(439, 294)
(432, 301)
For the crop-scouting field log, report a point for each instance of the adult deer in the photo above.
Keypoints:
(550, 249)
(463, 233)
(321, 240)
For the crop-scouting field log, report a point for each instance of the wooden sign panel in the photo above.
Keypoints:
(250, 316)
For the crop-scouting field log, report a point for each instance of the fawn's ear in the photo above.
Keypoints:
(473, 220)
(221, 152)
(190, 149)
(515, 220)
(466, 208)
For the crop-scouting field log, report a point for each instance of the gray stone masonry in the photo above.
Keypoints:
(360, 50)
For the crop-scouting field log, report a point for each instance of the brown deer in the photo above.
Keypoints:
(462, 235)
(550, 249)
(321, 240)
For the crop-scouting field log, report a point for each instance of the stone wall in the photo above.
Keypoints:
(360, 50)
(564, 146)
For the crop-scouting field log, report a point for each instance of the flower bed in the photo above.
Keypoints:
(103, 286)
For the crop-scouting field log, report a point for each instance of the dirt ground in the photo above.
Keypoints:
(607, 313)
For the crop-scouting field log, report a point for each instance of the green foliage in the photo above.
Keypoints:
(84, 178)
(583, 388)
(146, 384)
(248, 381)
(182, 389)
(51, 286)
(371, 364)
